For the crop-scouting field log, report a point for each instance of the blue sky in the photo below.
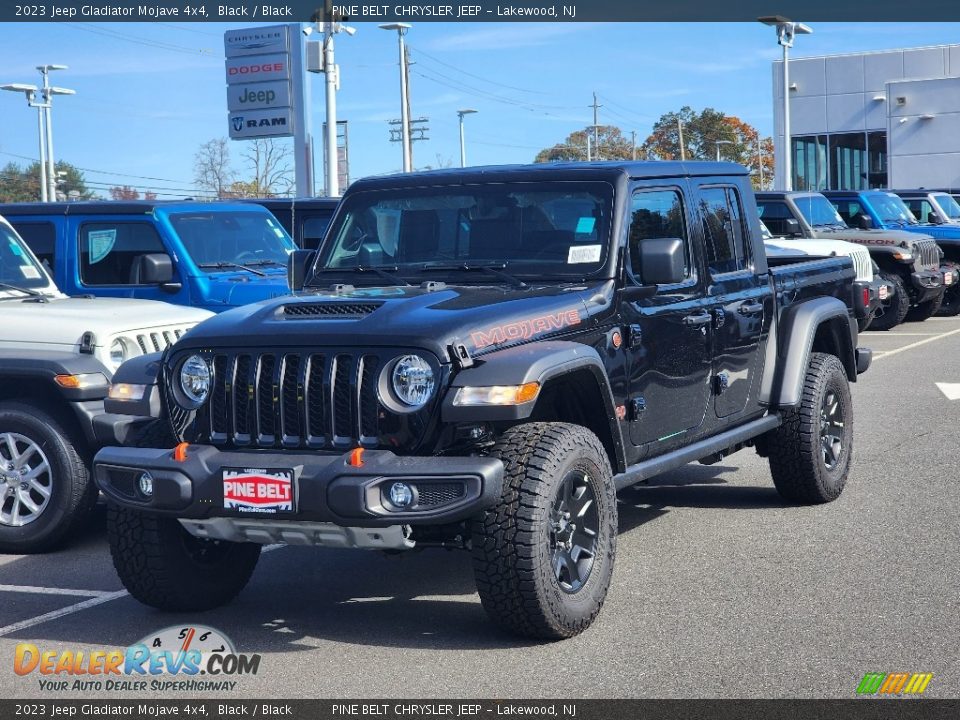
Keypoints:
(148, 95)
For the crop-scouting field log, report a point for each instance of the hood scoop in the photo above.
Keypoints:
(336, 310)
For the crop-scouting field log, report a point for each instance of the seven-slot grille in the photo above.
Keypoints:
(158, 340)
(862, 264)
(312, 400)
(929, 253)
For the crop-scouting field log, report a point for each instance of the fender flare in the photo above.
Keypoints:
(535, 362)
(791, 343)
(141, 370)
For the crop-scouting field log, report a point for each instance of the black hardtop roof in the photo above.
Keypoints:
(852, 193)
(920, 191)
(609, 171)
(105, 207)
(324, 203)
(778, 194)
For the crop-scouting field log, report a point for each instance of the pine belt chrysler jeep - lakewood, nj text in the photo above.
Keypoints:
(480, 359)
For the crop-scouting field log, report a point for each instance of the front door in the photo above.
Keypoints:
(669, 336)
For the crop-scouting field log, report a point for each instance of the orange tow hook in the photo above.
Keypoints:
(180, 452)
(356, 457)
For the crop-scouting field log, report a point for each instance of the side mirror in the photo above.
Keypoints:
(152, 269)
(662, 261)
(933, 219)
(298, 264)
(791, 227)
(864, 222)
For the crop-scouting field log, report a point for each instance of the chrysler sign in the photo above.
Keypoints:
(256, 41)
(245, 125)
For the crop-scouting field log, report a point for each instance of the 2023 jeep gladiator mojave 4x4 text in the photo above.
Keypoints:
(57, 355)
(481, 358)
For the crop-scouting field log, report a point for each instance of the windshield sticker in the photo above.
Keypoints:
(585, 225)
(583, 254)
(100, 243)
(30, 272)
(16, 249)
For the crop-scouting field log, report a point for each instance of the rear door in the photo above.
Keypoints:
(741, 300)
(669, 336)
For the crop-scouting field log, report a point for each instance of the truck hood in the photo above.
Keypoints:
(482, 318)
(64, 321)
(234, 289)
(948, 232)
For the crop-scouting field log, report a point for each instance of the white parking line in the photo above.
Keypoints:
(98, 599)
(34, 590)
(68, 610)
(911, 346)
(878, 333)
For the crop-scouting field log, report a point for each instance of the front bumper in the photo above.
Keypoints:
(926, 284)
(951, 276)
(326, 487)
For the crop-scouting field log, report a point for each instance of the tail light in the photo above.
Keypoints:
(866, 297)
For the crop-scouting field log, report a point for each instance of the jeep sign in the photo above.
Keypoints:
(245, 125)
(258, 68)
(257, 96)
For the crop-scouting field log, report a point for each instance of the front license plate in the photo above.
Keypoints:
(258, 490)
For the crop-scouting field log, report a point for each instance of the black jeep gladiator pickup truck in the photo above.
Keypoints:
(480, 359)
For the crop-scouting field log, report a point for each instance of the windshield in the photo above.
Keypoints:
(818, 211)
(950, 206)
(556, 230)
(17, 266)
(891, 209)
(218, 240)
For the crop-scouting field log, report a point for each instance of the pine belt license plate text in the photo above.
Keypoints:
(257, 490)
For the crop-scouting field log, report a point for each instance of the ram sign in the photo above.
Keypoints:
(246, 125)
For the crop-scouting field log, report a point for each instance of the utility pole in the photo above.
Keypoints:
(402, 29)
(760, 159)
(47, 93)
(588, 147)
(633, 144)
(683, 152)
(596, 125)
(331, 81)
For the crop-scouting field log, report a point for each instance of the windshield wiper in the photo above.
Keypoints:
(31, 293)
(223, 265)
(266, 263)
(386, 273)
(495, 270)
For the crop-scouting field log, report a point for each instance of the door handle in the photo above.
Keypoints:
(750, 308)
(697, 319)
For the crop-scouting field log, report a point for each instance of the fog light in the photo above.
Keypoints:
(401, 495)
(145, 484)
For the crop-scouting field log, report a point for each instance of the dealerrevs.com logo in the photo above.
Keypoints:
(184, 658)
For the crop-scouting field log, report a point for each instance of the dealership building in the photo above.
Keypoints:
(875, 119)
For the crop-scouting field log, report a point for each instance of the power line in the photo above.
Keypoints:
(102, 172)
(476, 92)
(160, 44)
(478, 77)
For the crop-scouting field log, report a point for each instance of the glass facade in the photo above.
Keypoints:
(840, 161)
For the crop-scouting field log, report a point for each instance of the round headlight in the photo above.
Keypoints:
(195, 379)
(413, 380)
(118, 352)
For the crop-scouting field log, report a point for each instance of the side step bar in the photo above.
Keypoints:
(691, 453)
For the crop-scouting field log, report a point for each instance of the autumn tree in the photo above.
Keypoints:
(211, 167)
(270, 162)
(612, 146)
(22, 184)
(703, 134)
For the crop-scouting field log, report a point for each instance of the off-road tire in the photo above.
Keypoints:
(72, 493)
(951, 303)
(892, 312)
(925, 310)
(512, 553)
(795, 449)
(163, 566)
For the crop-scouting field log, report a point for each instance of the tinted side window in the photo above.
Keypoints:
(656, 214)
(108, 250)
(313, 230)
(723, 231)
(850, 210)
(774, 215)
(41, 237)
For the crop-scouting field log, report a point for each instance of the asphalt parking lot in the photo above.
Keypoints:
(720, 590)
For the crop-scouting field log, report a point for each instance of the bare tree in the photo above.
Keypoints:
(271, 164)
(211, 167)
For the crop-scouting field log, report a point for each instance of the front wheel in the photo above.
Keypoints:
(894, 309)
(810, 452)
(925, 310)
(543, 556)
(951, 303)
(164, 566)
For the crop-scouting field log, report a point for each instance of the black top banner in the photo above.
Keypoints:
(477, 10)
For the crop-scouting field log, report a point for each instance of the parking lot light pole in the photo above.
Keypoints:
(718, 143)
(31, 92)
(463, 141)
(48, 93)
(786, 31)
(401, 29)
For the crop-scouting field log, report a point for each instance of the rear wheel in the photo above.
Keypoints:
(951, 303)
(810, 452)
(543, 557)
(925, 310)
(894, 309)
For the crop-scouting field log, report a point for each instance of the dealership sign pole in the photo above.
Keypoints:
(267, 92)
